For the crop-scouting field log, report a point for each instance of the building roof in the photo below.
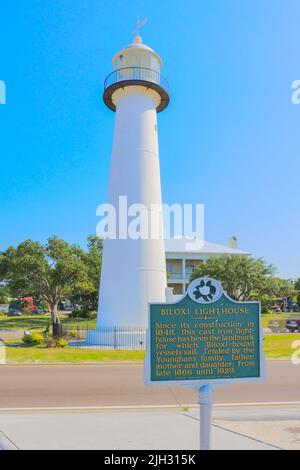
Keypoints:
(139, 46)
(188, 245)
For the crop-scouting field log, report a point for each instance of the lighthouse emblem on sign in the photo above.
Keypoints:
(205, 290)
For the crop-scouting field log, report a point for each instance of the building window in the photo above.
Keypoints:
(170, 268)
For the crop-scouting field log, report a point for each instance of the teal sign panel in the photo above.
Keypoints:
(205, 336)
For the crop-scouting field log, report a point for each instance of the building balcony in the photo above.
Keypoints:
(130, 76)
(179, 277)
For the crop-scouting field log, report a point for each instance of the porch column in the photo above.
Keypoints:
(183, 274)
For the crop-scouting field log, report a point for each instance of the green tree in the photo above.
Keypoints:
(4, 294)
(92, 260)
(274, 288)
(241, 276)
(51, 272)
(279, 288)
(297, 288)
(297, 284)
(246, 278)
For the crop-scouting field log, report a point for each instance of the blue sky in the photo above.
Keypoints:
(229, 139)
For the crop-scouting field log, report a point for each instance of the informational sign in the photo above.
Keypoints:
(205, 337)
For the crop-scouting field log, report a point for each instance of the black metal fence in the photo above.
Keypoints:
(132, 338)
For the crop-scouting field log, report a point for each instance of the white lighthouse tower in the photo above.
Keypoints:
(134, 270)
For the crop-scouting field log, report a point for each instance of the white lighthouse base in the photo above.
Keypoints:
(131, 338)
(120, 337)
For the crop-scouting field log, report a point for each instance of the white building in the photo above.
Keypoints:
(183, 256)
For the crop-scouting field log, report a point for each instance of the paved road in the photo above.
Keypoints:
(122, 385)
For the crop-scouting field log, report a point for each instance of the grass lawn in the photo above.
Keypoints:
(40, 354)
(277, 346)
(40, 322)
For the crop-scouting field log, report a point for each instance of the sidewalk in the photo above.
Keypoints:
(145, 430)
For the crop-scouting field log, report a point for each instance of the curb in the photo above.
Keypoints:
(128, 408)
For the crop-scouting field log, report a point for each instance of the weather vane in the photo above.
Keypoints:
(138, 25)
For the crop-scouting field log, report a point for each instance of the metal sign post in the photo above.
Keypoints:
(205, 402)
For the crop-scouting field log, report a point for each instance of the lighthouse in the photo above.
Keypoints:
(134, 268)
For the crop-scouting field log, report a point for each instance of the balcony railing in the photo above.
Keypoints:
(180, 275)
(139, 74)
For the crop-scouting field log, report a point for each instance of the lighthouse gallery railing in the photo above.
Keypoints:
(136, 74)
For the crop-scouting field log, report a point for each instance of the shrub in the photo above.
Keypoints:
(33, 339)
(62, 343)
(85, 314)
(75, 314)
(37, 338)
(27, 339)
(51, 343)
(266, 302)
(27, 311)
(74, 334)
